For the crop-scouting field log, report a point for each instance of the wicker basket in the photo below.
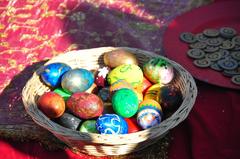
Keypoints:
(102, 145)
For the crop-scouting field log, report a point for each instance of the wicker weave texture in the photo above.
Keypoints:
(102, 145)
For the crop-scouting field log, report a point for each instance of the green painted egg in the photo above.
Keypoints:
(89, 126)
(125, 102)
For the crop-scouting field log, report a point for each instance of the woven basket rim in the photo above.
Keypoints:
(89, 136)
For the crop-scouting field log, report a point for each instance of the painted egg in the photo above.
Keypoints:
(125, 102)
(111, 124)
(69, 121)
(147, 118)
(85, 105)
(130, 73)
(52, 73)
(51, 104)
(170, 98)
(150, 103)
(88, 126)
(77, 80)
(62, 93)
(146, 84)
(132, 125)
(104, 94)
(158, 70)
(100, 78)
(153, 92)
(139, 95)
(119, 57)
(119, 85)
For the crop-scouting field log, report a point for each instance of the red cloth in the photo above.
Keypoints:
(212, 129)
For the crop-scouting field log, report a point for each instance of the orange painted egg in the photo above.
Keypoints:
(51, 104)
(119, 57)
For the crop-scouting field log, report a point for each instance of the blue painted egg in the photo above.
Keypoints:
(111, 124)
(148, 117)
(52, 73)
(77, 80)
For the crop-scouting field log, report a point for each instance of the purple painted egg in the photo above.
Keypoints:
(170, 98)
(158, 70)
(52, 73)
(77, 80)
(147, 118)
(111, 124)
(85, 105)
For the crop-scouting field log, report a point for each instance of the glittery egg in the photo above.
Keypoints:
(148, 117)
(111, 124)
(52, 73)
(132, 125)
(150, 103)
(69, 121)
(170, 98)
(51, 104)
(88, 126)
(85, 105)
(130, 73)
(119, 85)
(158, 70)
(77, 80)
(119, 57)
(125, 102)
(101, 76)
(153, 92)
(62, 93)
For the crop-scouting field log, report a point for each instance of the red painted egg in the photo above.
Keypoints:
(51, 104)
(132, 125)
(85, 105)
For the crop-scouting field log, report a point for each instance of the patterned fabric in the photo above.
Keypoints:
(32, 31)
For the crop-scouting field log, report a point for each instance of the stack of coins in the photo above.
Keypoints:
(218, 49)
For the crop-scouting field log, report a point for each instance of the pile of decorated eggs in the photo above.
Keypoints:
(120, 97)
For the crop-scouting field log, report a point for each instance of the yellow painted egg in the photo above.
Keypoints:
(139, 95)
(151, 104)
(119, 85)
(153, 92)
(128, 72)
(119, 57)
